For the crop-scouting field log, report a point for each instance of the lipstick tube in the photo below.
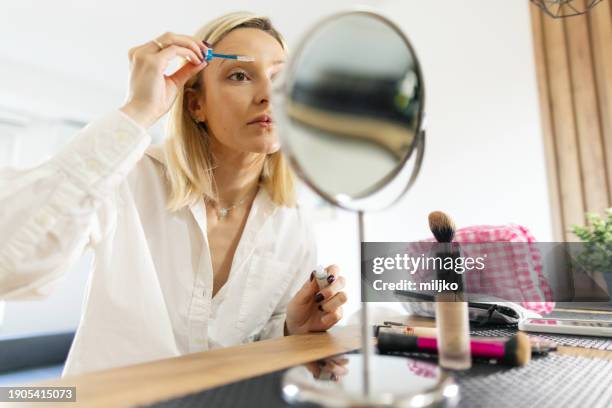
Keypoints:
(321, 277)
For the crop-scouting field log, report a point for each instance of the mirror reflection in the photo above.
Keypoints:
(337, 381)
(357, 116)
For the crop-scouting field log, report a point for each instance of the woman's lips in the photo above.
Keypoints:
(262, 123)
(262, 119)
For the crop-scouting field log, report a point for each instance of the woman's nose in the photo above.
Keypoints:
(263, 91)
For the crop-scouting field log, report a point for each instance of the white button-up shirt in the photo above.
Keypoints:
(149, 295)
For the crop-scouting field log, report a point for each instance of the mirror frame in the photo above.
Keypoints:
(282, 93)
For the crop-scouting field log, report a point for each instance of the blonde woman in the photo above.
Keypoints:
(198, 242)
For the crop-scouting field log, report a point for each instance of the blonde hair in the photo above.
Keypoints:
(188, 158)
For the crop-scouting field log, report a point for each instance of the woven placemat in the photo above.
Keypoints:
(591, 342)
(552, 381)
(262, 391)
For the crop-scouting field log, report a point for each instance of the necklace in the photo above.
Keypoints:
(223, 211)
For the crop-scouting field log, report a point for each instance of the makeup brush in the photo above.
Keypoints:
(539, 345)
(452, 317)
(442, 226)
(514, 351)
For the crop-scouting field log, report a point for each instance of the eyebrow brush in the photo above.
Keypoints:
(210, 55)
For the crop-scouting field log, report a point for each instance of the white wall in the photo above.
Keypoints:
(484, 160)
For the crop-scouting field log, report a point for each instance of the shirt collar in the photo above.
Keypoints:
(262, 207)
(156, 151)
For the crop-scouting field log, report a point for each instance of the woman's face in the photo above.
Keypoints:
(235, 95)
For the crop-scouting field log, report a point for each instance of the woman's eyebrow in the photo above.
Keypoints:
(277, 62)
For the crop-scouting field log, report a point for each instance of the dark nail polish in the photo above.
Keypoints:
(207, 44)
(319, 297)
(320, 308)
(331, 278)
(312, 275)
(334, 377)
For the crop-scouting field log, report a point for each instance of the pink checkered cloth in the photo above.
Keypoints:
(513, 271)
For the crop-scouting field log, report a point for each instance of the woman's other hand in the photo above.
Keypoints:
(331, 368)
(151, 92)
(312, 310)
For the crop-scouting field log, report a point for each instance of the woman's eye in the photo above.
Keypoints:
(238, 76)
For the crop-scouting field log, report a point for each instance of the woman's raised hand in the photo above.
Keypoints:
(151, 93)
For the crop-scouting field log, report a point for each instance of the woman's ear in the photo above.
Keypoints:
(195, 105)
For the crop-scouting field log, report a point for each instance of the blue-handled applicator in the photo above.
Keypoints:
(210, 55)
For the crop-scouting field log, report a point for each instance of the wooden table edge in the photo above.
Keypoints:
(160, 380)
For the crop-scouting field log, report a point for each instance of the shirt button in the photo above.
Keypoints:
(43, 220)
(92, 164)
(121, 136)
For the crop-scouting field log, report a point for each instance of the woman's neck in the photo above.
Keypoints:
(236, 175)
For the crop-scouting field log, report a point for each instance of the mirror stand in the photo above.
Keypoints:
(353, 131)
(366, 332)
(392, 385)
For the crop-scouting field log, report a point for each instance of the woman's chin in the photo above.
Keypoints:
(268, 144)
(264, 141)
(270, 148)
(274, 148)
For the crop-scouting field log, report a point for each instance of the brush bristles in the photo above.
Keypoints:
(442, 226)
(517, 350)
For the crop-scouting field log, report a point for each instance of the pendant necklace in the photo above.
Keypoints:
(223, 211)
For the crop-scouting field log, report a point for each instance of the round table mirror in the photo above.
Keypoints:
(350, 109)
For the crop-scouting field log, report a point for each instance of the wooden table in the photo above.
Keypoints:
(160, 380)
(164, 379)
